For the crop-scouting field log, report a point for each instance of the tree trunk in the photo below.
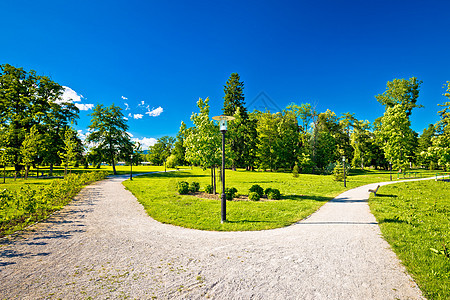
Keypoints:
(50, 172)
(27, 169)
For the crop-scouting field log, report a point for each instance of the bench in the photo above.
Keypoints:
(374, 191)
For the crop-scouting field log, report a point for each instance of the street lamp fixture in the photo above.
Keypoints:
(131, 167)
(223, 122)
(343, 167)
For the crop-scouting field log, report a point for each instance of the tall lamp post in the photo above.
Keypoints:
(390, 169)
(131, 167)
(4, 164)
(343, 167)
(223, 128)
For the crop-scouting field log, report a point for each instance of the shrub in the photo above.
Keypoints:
(267, 191)
(257, 189)
(209, 189)
(274, 194)
(254, 196)
(194, 187)
(19, 208)
(183, 187)
(295, 171)
(230, 193)
(338, 172)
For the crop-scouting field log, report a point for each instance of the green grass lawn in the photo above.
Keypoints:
(414, 218)
(37, 183)
(301, 197)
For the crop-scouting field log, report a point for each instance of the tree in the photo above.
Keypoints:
(396, 136)
(166, 143)
(30, 148)
(234, 96)
(234, 105)
(179, 150)
(440, 149)
(69, 150)
(425, 141)
(401, 92)
(203, 141)
(108, 133)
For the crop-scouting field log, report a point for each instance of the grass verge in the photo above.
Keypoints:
(301, 197)
(414, 218)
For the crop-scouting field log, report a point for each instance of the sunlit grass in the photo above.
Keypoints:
(301, 197)
(414, 218)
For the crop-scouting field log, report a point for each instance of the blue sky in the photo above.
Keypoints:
(163, 55)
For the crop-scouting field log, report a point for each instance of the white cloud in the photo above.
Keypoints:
(124, 98)
(70, 95)
(130, 115)
(127, 106)
(137, 116)
(130, 134)
(145, 142)
(84, 106)
(125, 118)
(81, 135)
(155, 112)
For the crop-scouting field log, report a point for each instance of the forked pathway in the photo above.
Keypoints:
(104, 245)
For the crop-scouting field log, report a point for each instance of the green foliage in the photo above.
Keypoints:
(274, 194)
(69, 149)
(254, 196)
(171, 161)
(396, 137)
(108, 133)
(295, 171)
(338, 172)
(401, 92)
(414, 219)
(183, 187)
(18, 208)
(256, 188)
(194, 187)
(267, 191)
(230, 193)
(208, 189)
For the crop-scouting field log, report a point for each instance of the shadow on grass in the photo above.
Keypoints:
(179, 174)
(248, 222)
(307, 197)
(386, 196)
(392, 220)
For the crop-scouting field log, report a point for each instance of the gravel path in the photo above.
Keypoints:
(103, 245)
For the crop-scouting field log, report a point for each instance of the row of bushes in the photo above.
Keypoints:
(256, 192)
(27, 205)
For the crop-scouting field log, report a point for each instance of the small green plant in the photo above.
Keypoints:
(257, 189)
(183, 187)
(338, 172)
(254, 196)
(230, 193)
(194, 187)
(208, 189)
(295, 171)
(274, 194)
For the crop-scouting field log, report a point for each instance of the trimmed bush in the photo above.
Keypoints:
(182, 187)
(257, 189)
(209, 189)
(274, 194)
(194, 187)
(267, 191)
(230, 193)
(254, 196)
